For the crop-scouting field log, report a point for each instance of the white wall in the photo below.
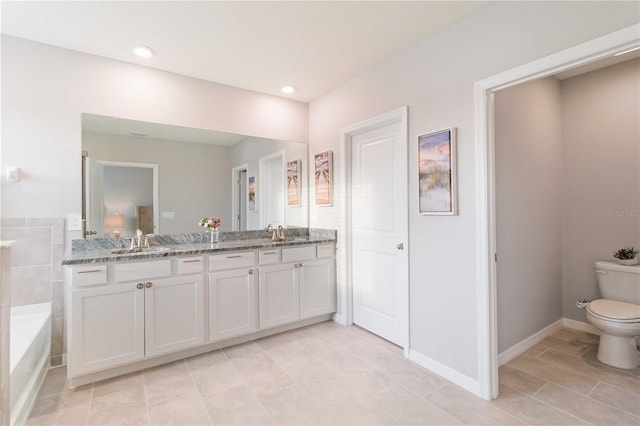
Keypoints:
(125, 188)
(194, 179)
(46, 89)
(435, 79)
(601, 212)
(528, 161)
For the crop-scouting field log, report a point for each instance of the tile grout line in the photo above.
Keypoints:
(198, 389)
(547, 404)
(245, 383)
(536, 392)
(593, 399)
(88, 416)
(146, 399)
(593, 388)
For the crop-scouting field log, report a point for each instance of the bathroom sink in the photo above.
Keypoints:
(141, 250)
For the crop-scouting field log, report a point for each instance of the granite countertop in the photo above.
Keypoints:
(107, 255)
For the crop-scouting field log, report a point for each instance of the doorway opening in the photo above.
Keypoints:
(239, 197)
(486, 262)
(272, 189)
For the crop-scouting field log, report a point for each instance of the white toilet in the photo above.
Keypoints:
(617, 314)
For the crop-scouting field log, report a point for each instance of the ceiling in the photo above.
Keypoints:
(123, 127)
(314, 46)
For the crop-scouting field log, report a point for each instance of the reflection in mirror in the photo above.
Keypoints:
(163, 179)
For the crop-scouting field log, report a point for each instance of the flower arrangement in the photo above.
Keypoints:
(627, 253)
(210, 223)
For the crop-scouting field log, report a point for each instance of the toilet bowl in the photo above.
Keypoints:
(619, 324)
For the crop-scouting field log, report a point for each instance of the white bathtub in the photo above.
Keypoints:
(30, 348)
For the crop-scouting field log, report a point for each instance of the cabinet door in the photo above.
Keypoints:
(233, 304)
(107, 327)
(174, 314)
(317, 288)
(279, 302)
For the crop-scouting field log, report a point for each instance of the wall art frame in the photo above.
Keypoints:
(437, 173)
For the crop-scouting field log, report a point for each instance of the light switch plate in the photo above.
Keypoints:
(74, 222)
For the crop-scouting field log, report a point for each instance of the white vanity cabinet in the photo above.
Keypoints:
(233, 303)
(114, 323)
(279, 295)
(107, 327)
(123, 316)
(303, 286)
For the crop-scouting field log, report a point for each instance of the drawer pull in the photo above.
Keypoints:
(233, 257)
(191, 261)
(250, 271)
(266, 253)
(90, 271)
(140, 286)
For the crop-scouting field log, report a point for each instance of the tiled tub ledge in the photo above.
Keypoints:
(100, 250)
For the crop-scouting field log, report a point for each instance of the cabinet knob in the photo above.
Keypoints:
(140, 286)
(300, 265)
(148, 285)
(250, 271)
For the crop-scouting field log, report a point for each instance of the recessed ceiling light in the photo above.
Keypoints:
(144, 51)
(627, 51)
(288, 89)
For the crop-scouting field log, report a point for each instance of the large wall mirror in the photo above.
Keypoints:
(163, 179)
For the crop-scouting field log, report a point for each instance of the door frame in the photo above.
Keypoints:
(591, 51)
(262, 200)
(235, 195)
(345, 290)
(156, 201)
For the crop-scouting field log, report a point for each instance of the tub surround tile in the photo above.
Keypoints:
(32, 247)
(30, 284)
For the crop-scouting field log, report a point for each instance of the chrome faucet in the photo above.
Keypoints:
(276, 234)
(140, 240)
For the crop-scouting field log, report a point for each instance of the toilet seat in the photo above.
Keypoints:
(613, 310)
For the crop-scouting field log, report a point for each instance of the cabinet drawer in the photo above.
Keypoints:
(88, 275)
(267, 257)
(325, 250)
(142, 270)
(190, 265)
(298, 253)
(231, 260)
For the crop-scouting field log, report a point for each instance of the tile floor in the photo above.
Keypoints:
(328, 374)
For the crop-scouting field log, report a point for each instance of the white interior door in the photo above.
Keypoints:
(272, 186)
(242, 206)
(94, 198)
(379, 267)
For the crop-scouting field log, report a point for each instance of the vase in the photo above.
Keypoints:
(628, 262)
(215, 235)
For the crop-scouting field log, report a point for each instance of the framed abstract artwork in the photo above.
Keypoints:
(324, 178)
(293, 182)
(438, 194)
(252, 193)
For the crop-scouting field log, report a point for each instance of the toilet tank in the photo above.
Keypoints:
(619, 282)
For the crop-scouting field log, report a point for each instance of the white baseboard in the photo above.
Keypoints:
(446, 372)
(580, 326)
(526, 344)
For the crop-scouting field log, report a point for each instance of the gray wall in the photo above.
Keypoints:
(601, 191)
(194, 179)
(435, 78)
(528, 153)
(124, 189)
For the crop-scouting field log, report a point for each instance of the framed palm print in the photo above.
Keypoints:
(324, 178)
(293, 183)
